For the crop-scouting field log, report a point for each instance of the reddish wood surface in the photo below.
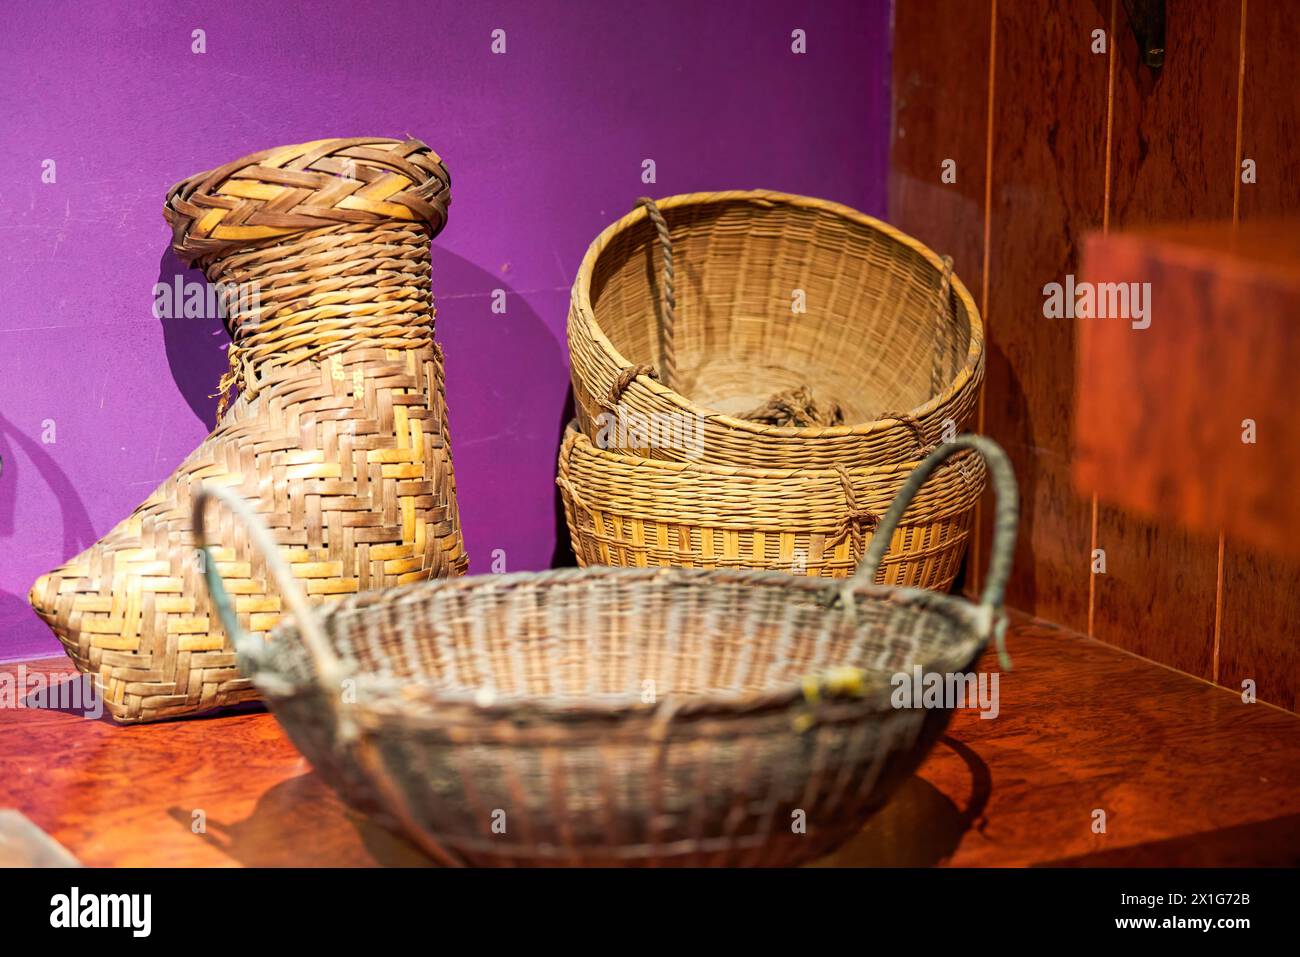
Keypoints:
(1173, 142)
(1173, 152)
(1260, 631)
(1260, 638)
(1185, 772)
(934, 121)
(1161, 409)
(1159, 435)
(1270, 111)
(1048, 172)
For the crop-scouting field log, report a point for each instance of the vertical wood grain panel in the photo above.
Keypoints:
(940, 94)
(1260, 630)
(1048, 174)
(1270, 127)
(1260, 637)
(940, 112)
(1173, 155)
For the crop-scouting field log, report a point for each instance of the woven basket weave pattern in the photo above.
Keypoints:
(292, 189)
(875, 338)
(339, 433)
(627, 511)
(623, 716)
(636, 786)
(337, 289)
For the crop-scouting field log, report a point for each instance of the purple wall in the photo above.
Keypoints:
(544, 144)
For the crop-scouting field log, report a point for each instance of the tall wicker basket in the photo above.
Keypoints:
(338, 435)
(803, 333)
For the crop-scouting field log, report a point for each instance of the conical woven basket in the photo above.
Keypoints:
(632, 511)
(725, 305)
(339, 431)
(623, 716)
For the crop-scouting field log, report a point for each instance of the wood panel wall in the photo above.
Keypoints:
(1053, 140)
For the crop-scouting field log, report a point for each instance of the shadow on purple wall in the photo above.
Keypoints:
(196, 348)
(503, 414)
(562, 556)
(16, 615)
(78, 531)
(506, 413)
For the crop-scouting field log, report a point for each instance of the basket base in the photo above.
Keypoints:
(790, 850)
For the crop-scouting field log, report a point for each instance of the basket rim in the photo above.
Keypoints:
(396, 696)
(580, 299)
(222, 172)
(218, 177)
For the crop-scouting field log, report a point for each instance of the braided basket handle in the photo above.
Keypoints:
(328, 667)
(667, 329)
(1005, 519)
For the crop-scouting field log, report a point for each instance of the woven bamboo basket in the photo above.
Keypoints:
(622, 716)
(692, 306)
(338, 432)
(630, 511)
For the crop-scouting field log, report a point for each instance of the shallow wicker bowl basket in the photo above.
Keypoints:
(634, 511)
(887, 334)
(619, 716)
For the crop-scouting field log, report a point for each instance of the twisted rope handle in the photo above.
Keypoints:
(1005, 519)
(945, 286)
(855, 517)
(625, 379)
(923, 444)
(937, 377)
(668, 324)
(574, 497)
(329, 668)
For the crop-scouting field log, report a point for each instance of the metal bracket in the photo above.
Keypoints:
(1147, 19)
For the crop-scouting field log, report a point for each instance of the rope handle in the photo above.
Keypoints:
(855, 518)
(574, 497)
(945, 287)
(668, 325)
(329, 668)
(625, 379)
(938, 370)
(1005, 519)
(923, 444)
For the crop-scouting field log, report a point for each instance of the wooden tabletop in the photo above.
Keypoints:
(1184, 772)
